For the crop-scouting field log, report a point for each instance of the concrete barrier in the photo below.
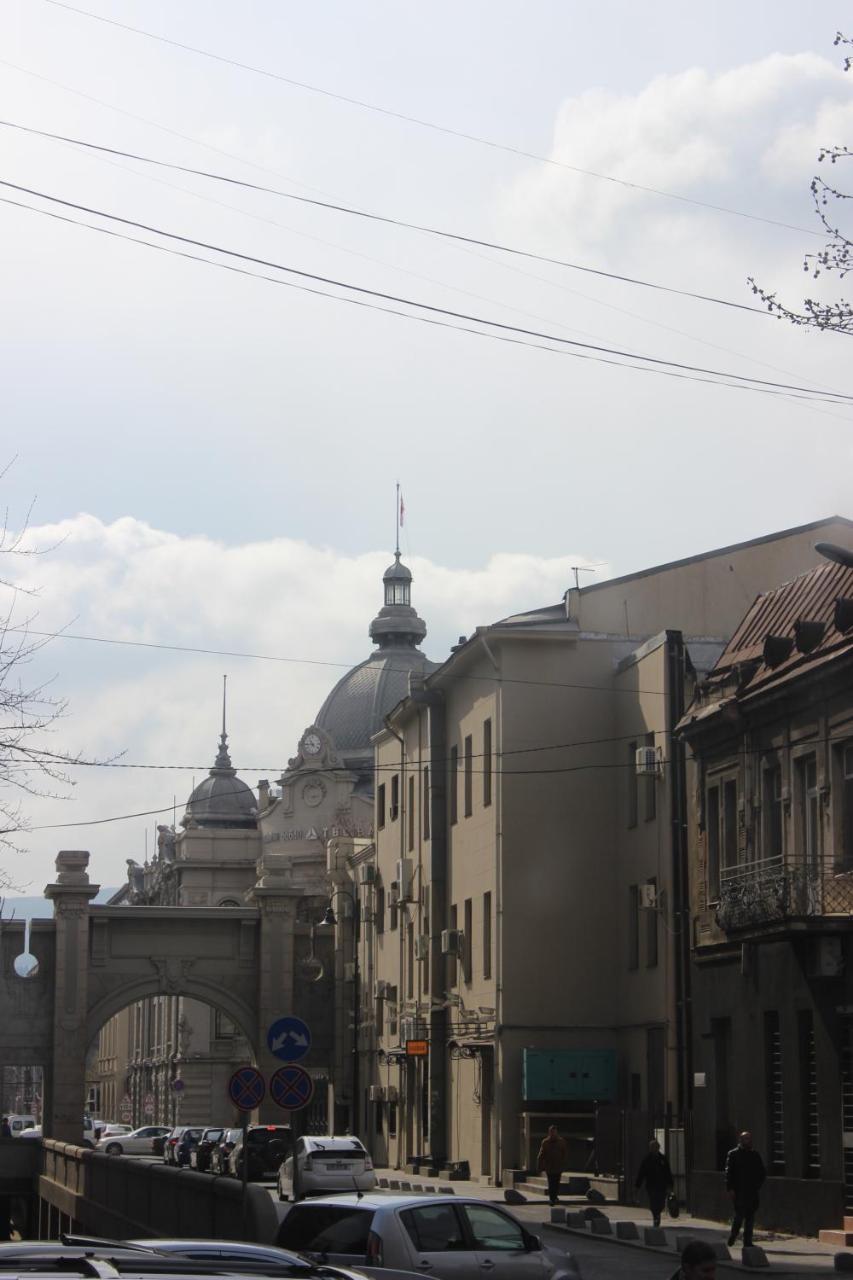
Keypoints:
(721, 1250)
(601, 1226)
(558, 1215)
(655, 1236)
(753, 1256)
(577, 1220)
(626, 1231)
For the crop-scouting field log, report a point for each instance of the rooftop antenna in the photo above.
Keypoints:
(582, 568)
(399, 518)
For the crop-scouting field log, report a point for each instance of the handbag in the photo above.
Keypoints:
(672, 1206)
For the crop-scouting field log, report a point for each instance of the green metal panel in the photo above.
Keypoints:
(567, 1075)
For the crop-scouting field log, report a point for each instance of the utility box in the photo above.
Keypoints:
(569, 1075)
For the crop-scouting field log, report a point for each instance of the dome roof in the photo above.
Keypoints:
(397, 572)
(222, 799)
(356, 707)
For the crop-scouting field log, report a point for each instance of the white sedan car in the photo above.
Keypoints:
(138, 1143)
(327, 1164)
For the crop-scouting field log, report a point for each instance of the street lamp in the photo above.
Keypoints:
(330, 920)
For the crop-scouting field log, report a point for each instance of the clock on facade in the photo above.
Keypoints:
(311, 744)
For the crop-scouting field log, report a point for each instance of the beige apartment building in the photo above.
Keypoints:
(524, 924)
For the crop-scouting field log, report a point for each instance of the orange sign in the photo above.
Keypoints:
(417, 1048)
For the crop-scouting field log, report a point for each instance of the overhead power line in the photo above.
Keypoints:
(598, 351)
(387, 220)
(491, 143)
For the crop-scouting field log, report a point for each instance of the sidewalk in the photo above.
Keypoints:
(787, 1255)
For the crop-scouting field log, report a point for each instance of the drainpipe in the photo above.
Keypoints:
(680, 887)
(401, 922)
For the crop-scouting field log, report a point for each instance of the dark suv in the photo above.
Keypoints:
(200, 1154)
(267, 1145)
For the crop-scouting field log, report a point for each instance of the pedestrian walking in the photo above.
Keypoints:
(745, 1175)
(5, 1131)
(698, 1262)
(655, 1172)
(552, 1161)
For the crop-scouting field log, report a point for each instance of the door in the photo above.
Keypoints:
(847, 1111)
(487, 1070)
(501, 1245)
(435, 1236)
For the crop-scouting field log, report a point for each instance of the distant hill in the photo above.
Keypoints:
(37, 907)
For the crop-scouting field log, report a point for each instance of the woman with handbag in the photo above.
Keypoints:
(657, 1175)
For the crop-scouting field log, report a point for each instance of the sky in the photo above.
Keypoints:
(212, 457)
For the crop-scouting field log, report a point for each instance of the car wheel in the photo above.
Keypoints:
(114, 1149)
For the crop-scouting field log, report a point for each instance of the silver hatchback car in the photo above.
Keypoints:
(445, 1236)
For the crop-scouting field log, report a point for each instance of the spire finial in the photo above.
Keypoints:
(223, 760)
(224, 693)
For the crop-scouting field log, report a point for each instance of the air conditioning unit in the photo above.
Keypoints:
(376, 1093)
(648, 896)
(394, 893)
(648, 762)
(405, 879)
(382, 989)
(408, 1029)
(422, 947)
(391, 1093)
(452, 942)
(367, 873)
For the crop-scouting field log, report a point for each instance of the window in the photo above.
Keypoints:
(649, 785)
(487, 935)
(393, 915)
(434, 1228)
(487, 763)
(469, 776)
(652, 930)
(729, 840)
(773, 1075)
(392, 1119)
(426, 802)
(395, 797)
(380, 806)
(380, 909)
(452, 977)
(454, 771)
(808, 810)
(467, 949)
(223, 1028)
(633, 927)
(425, 970)
(392, 1012)
(410, 961)
(846, 851)
(771, 811)
(636, 1091)
(411, 813)
(494, 1230)
(808, 1094)
(379, 1118)
(326, 1228)
(632, 784)
(712, 831)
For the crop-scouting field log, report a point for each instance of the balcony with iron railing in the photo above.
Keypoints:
(771, 891)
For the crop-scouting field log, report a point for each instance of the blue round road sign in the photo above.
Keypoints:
(246, 1088)
(291, 1087)
(289, 1039)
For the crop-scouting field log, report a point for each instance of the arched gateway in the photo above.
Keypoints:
(95, 960)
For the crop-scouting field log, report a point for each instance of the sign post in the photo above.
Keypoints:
(247, 1090)
(291, 1087)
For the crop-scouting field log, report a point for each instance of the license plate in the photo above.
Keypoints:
(337, 1164)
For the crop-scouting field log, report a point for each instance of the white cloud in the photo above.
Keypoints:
(282, 598)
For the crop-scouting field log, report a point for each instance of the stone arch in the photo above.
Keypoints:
(208, 993)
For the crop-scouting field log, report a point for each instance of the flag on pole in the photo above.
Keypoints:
(402, 510)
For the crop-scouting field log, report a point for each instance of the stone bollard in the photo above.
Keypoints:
(383, 1182)
(654, 1236)
(843, 1261)
(626, 1231)
(511, 1196)
(447, 1191)
(577, 1220)
(601, 1226)
(558, 1214)
(753, 1256)
(721, 1250)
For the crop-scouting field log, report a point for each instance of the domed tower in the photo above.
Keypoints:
(357, 705)
(223, 799)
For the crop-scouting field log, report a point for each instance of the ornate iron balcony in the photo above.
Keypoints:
(769, 890)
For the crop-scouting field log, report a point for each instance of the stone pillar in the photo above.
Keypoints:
(71, 896)
(276, 897)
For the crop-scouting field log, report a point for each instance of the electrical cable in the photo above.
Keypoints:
(367, 215)
(660, 364)
(432, 125)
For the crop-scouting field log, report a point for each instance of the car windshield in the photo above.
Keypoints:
(326, 1228)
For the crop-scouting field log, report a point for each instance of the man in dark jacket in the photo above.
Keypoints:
(745, 1175)
(552, 1161)
(655, 1172)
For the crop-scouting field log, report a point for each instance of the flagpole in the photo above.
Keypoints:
(397, 548)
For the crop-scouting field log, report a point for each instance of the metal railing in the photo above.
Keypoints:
(775, 889)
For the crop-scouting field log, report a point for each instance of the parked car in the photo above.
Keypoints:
(200, 1154)
(171, 1142)
(267, 1146)
(18, 1123)
(139, 1142)
(455, 1238)
(327, 1164)
(221, 1151)
(32, 1131)
(183, 1148)
(115, 1130)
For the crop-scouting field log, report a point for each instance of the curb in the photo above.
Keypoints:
(738, 1267)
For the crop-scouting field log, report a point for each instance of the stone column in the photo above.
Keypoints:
(275, 896)
(71, 896)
